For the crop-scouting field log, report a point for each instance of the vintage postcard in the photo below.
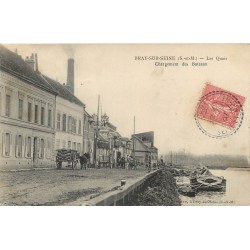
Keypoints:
(124, 124)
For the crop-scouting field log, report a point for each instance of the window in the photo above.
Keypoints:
(28, 146)
(80, 127)
(49, 118)
(73, 125)
(7, 144)
(42, 115)
(69, 124)
(69, 144)
(36, 113)
(20, 109)
(48, 148)
(29, 111)
(42, 148)
(58, 121)
(7, 105)
(74, 145)
(64, 123)
(19, 146)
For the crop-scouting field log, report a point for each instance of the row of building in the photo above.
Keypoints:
(39, 115)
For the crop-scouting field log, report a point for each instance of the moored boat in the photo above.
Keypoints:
(208, 183)
(187, 191)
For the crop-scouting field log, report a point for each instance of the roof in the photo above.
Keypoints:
(101, 138)
(147, 148)
(125, 139)
(112, 126)
(63, 91)
(13, 64)
(146, 136)
(87, 113)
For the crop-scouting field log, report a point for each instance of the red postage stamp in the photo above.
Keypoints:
(219, 106)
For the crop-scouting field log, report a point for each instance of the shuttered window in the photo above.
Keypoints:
(69, 124)
(19, 145)
(7, 105)
(20, 109)
(80, 127)
(29, 111)
(58, 121)
(64, 123)
(28, 146)
(42, 148)
(49, 117)
(42, 115)
(7, 144)
(36, 113)
(48, 148)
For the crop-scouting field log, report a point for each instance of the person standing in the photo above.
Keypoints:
(126, 161)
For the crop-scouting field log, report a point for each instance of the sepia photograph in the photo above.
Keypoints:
(124, 125)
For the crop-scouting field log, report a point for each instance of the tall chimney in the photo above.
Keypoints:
(36, 62)
(70, 76)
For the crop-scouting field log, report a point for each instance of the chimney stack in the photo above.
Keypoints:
(70, 76)
(30, 61)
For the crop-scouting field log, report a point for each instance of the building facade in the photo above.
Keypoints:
(141, 151)
(69, 116)
(145, 151)
(27, 109)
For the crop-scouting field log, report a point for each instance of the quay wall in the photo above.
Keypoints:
(121, 196)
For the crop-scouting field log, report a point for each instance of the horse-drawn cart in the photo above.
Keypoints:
(67, 155)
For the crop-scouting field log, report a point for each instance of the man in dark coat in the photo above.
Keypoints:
(83, 161)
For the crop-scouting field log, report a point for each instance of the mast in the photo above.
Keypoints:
(96, 133)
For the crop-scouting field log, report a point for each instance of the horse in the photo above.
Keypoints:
(84, 160)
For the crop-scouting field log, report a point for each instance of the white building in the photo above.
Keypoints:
(69, 118)
(27, 110)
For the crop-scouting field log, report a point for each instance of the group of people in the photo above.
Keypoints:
(124, 162)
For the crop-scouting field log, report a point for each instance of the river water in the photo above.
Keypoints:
(237, 191)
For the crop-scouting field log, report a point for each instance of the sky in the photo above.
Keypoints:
(162, 99)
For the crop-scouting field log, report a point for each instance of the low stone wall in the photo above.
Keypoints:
(122, 195)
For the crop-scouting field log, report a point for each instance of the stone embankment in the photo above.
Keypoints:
(160, 190)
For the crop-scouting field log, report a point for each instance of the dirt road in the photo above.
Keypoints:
(60, 187)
